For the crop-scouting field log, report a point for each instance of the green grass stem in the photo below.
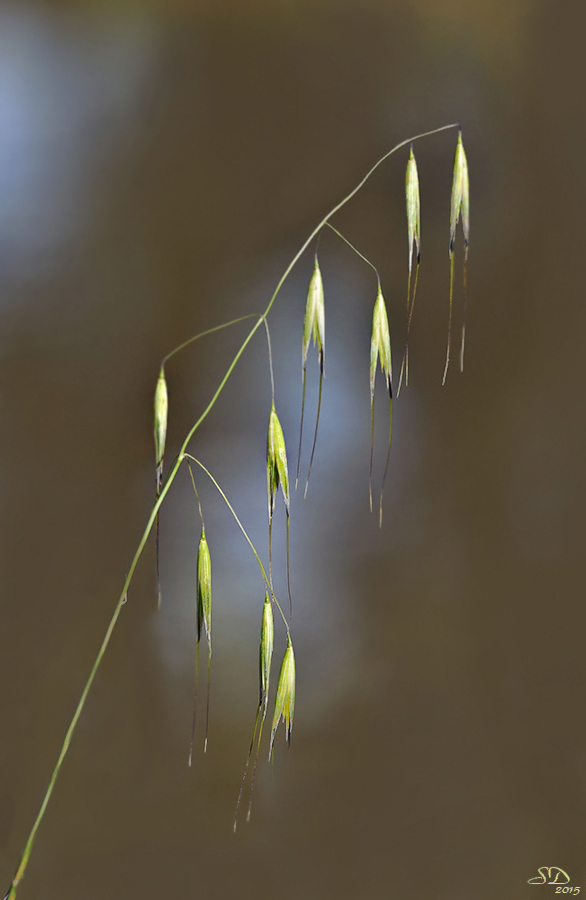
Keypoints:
(24, 860)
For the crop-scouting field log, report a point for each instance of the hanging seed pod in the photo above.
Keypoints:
(413, 206)
(413, 233)
(277, 473)
(267, 633)
(380, 347)
(314, 322)
(267, 636)
(161, 414)
(459, 207)
(380, 343)
(204, 590)
(313, 328)
(204, 623)
(285, 699)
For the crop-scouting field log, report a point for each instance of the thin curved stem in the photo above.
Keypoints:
(264, 318)
(171, 477)
(196, 493)
(196, 337)
(65, 747)
(244, 532)
(352, 247)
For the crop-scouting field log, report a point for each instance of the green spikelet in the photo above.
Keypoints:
(267, 634)
(267, 638)
(161, 415)
(277, 472)
(204, 623)
(460, 204)
(313, 328)
(380, 348)
(285, 699)
(204, 590)
(314, 322)
(413, 204)
(459, 208)
(413, 207)
(380, 343)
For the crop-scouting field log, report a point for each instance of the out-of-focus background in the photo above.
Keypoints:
(160, 163)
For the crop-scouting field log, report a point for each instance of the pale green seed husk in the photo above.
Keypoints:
(204, 590)
(285, 699)
(460, 201)
(161, 415)
(380, 347)
(267, 632)
(413, 204)
(313, 328)
(314, 322)
(267, 637)
(413, 207)
(277, 472)
(380, 342)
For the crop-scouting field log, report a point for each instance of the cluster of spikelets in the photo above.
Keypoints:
(276, 457)
(276, 462)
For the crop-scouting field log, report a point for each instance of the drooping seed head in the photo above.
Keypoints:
(277, 472)
(285, 699)
(267, 634)
(380, 343)
(314, 322)
(413, 206)
(460, 205)
(204, 590)
(161, 413)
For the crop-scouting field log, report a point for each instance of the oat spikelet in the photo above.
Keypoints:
(459, 208)
(277, 475)
(285, 699)
(380, 347)
(161, 416)
(313, 329)
(204, 623)
(413, 204)
(267, 636)
(277, 472)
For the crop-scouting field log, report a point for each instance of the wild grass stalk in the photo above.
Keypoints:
(285, 700)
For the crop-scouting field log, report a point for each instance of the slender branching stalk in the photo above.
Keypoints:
(244, 532)
(372, 266)
(165, 486)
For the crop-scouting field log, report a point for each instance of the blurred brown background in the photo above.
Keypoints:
(160, 163)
